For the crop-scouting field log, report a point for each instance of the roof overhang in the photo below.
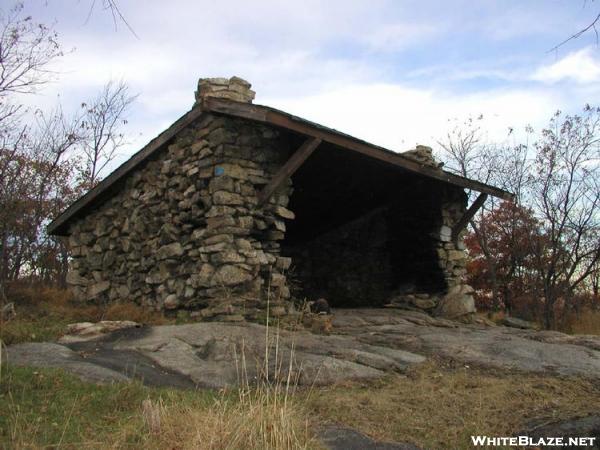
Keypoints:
(272, 117)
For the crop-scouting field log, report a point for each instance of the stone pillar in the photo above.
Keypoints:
(458, 301)
(240, 242)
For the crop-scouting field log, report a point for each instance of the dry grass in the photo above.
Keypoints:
(587, 322)
(51, 409)
(441, 407)
(265, 414)
(43, 313)
(257, 419)
(434, 406)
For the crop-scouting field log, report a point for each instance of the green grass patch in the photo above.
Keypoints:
(41, 408)
(40, 329)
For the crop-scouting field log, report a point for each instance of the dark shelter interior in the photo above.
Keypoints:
(364, 230)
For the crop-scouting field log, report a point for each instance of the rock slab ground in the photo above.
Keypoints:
(365, 344)
(342, 438)
(572, 428)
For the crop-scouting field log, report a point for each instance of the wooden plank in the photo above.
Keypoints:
(58, 225)
(288, 169)
(233, 108)
(468, 215)
(302, 126)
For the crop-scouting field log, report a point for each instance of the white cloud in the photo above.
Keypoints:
(581, 66)
(399, 117)
(397, 36)
(322, 60)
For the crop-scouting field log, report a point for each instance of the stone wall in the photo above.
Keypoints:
(184, 230)
(369, 260)
(349, 266)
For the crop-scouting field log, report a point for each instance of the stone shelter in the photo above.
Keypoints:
(237, 206)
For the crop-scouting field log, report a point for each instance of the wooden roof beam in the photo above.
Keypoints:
(288, 169)
(278, 118)
(468, 215)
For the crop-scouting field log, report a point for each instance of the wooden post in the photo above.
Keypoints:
(468, 215)
(288, 169)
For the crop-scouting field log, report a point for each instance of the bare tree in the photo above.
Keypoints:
(113, 7)
(101, 129)
(557, 181)
(467, 152)
(567, 196)
(26, 49)
(47, 159)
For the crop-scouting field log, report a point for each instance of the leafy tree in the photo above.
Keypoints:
(513, 236)
(567, 198)
(47, 159)
(546, 246)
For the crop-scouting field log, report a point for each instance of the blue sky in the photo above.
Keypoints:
(391, 72)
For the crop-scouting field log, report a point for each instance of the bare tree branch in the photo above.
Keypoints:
(100, 126)
(117, 15)
(591, 26)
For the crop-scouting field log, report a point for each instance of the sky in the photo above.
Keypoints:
(396, 73)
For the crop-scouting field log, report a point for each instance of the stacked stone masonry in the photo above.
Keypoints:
(185, 230)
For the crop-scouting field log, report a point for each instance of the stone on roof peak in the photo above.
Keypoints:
(234, 88)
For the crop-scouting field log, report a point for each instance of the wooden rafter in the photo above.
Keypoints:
(279, 118)
(468, 215)
(288, 169)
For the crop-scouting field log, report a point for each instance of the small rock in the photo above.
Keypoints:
(227, 198)
(73, 278)
(85, 331)
(424, 303)
(98, 288)
(285, 213)
(171, 302)
(445, 233)
(342, 438)
(230, 275)
(320, 306)
(455, 305)
(283, 263)
(169, 251)
(7, 312)
(514, 322)
(202, 278)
